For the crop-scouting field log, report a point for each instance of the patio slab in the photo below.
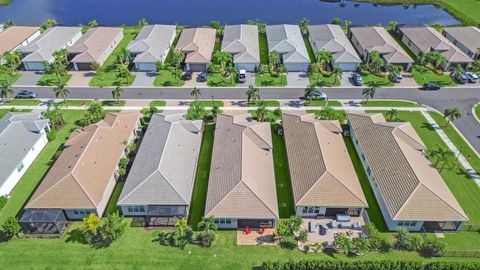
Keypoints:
(254, 238)
(329, 237)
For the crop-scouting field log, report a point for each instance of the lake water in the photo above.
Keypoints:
(201, 12)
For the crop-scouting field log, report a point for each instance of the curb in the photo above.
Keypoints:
(473, 112)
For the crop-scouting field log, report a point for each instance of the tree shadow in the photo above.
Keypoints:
(427, 126)
(163, 238)
(75, 236)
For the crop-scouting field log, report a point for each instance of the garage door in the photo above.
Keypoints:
(146, 67)
(348, 66)
(297, 66)
(84, 66)
(197, 67)
(247, 67)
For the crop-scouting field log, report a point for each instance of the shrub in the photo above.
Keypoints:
(360, 245)
(11, 228)
(3, 201)
(288, 242)
(407, 241)
(433, 247)
(51, 135)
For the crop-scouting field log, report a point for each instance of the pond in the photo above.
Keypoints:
(201, 12)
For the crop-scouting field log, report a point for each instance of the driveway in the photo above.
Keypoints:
(250, 80)
(194, 81)
(29, 78)
(346, 80)
(143, 79)
(407, 81)
(80, 78)
(297, 79)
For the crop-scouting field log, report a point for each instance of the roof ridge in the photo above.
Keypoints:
(83, 189)
(135, 189)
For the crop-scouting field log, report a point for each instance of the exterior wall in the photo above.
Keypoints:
(250, 67)
(146, 66)
(299, 211)
(460, 45)
(16, 175)
(232, 225)
(71, 215)
(126, 212)
(196, 66)
(34, 66)
(292, 67)
(347, 66)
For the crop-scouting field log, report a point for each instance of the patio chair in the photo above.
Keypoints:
(323, 229)
(357, 226)
(333, 224)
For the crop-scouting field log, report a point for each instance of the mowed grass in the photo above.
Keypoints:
(9, 78)
(39, 168)
(422, 77)
(199, 196)
(389, 103)
(158, 103)
(331, 103)
(269, 102)
(282, 175)
(477, 111)
(50, 79)
(112, 203)
(265, 79)
(371, 79)
(167, 78)
(321, 80)
(263, 47)
(21, 102)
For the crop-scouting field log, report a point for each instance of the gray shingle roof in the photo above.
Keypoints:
(242, 42)
(469, 36)
(164, 169)
(152, 42)
(287, 40)
(18, 134)
(331, 38)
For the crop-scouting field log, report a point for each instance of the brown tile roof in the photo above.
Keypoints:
(96, 44)
(14, 36)
(197, 44)
(242, 180)
(410, 186)
(321, 171)
(79, 177)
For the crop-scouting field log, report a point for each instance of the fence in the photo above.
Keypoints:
(470, 227)
(462, 253)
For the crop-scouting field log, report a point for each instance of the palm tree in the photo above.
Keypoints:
(310, 92)
(347, 25)
(393, 113)
(92, 23)
(123, 72)
(117, 93)
(324, 58)
(253, 94)
(195, 93)
(274, 62)
(457, 71)
(337, 72)
(6, 90)
(375, 62)
(95, 66)
(222, 58)
(208, 230)
(12, 60)
(452, 114)
(304, 22)
(177, 73)
(92, 223)
(444, 156)
(262, 111)
(477, 52)
(177, 58)
(369, 93)
(142, 22)
(326, 114)
(393, 72)
(60, 91)
(393, 26)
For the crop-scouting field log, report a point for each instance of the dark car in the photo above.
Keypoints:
(431, 86)
(203, 76)
(187, 75)
(357, 79)
(26, 94)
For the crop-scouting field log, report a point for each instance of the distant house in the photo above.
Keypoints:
(197, 44)
(331, 38)
(424, 39)
(42, 48)
(287, 41)
(22, 137)
(151, 45)
(83, 177)
(242, 42)
(160, 183)
(409, 190)
(15, 37)
(465, 38)
(95, 46)
(241, 189)
(367, 39)
(323, 178)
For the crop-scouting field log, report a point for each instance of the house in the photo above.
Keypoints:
(331, 38)
(466, 38)
(95, 46)
(367, 39)
(323, 179)
(83, 177)
(424, 39)
(42, 48)
(160, 183)
(242, 42)
(241, 188)
(151, 45)
(287, 41)
(197, 44)
(15, 37)
(22, 137)
(409, 190)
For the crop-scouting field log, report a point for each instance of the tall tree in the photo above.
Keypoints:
(177, 58)
(392, 113)
(92, 23)
(262, 111)
(60, 91)
(457, 71)
(393, 72)
(369, 92)
(375, 62)
(324, 58)
(452, 114)
(117, 93)
(142, 22)
(310, 92)
(208, 231)
(195, 93)
(392, 25)
(274, 62)
(337, 72)
(222, 58)
(304, 22)
(47, 24)
(6, 90)
(253, 94)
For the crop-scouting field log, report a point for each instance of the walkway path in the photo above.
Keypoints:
(471, 172)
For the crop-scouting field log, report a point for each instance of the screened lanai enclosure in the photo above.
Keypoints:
(160, 215)
(43, 221)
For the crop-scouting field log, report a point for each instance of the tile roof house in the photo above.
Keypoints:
(95, 46)
(466, 38)
(242, 42)
(287, 40)
(323, 178)
(42, 48)
(151, 45)
(22, 137)
(15, 37)
(423, 39)
(160, 183)
(241, 188)
(409, 190)
(367, 39)
(83, 177)
(331, 38)
(197, 44)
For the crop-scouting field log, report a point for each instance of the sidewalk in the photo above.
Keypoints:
(471, 172)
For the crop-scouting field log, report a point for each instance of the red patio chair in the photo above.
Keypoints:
(261, 230)
(248, 230)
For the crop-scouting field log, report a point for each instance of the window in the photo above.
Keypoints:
(136, 209)
(82, 212)
(407, 223)
(223, 221)
(363, 157)
(311, 210)
(20, 166)
(368, 170)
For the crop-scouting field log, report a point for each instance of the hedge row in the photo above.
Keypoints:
(369, 265)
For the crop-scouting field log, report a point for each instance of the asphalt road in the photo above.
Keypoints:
(464, 98)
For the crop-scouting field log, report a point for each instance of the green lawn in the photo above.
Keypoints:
(166, 78)
(282, 175)
(112, 203)
(208, 103)
(50, 79)
(107, 75)
(477, 111)
(331, 103)
(263, 47)
(270, 103)
(39, 168)
(311, 53)
(371, 79)
(319, 79)
(21, 102)
(389, 103)
(75, 102)
(265, 79)
(374, 212)
(5, 2)
(199, 196)
(422, 77)
(11, 79)
(218, 80)
(158, 103)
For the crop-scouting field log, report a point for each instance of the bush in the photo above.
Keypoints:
(407, 241)
(3, 201)
(432, 247)
(11, 228)
(51, 135)
(288, 242)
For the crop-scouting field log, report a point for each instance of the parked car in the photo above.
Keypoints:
(431, 86)
(357, 79)
(242, 75)
(187, 75)
(26, 94)
(471, 77)
(398, 78)
(319, 96)
(203, 76)
(461, 79)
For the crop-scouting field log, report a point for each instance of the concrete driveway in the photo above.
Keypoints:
(346, 80)
(29, 78)
(194, 81)
(297, 79)
(80, 78)
(143, 79)
(250, 80)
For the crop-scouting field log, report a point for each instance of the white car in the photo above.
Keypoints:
(320, 96)
(471, 77)
(242, 75)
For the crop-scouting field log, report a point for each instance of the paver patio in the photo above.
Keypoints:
(254, 238)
